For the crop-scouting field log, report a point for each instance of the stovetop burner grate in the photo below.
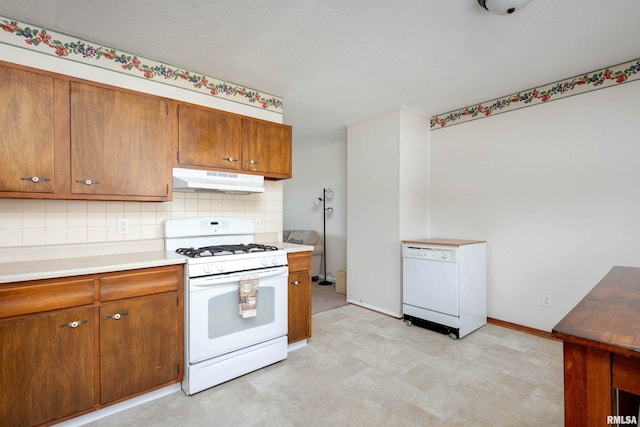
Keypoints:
(217, 250)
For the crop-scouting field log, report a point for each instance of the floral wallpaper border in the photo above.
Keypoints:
(606, 77)
(23, 35)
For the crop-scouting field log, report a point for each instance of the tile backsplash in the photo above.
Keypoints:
(38, 222)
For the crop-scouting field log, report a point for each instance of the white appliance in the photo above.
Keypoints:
(222, 341)
(444, 285)
(187, 180)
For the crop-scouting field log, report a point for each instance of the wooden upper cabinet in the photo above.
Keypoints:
(67, 139)
(217, 140)
(118, 142)
(266, 148)
(208, 138)
(27, 129)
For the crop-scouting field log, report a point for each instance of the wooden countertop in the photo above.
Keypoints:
(444, 242)
(608, 317)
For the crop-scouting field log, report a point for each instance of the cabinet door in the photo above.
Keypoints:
(208, 138)
(46, 366)
(27, 131)
(138, 345)
(118, 143)
(299, 306)
(266, 148)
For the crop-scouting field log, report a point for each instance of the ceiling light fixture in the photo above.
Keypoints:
(503, 7)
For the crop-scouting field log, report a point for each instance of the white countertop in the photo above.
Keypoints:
(21, 271)
(291, 247)
(59, 261)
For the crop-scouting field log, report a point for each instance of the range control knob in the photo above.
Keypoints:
(220, 267)
(274, 260)
(265, 262)
(208, 268)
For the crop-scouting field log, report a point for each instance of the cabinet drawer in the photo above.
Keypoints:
(32, 297)
(299, 261)
(140, 282)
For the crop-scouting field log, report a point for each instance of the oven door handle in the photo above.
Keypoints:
(237, 276)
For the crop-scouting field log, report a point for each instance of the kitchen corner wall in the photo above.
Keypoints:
(318, 166)
(36, 222)
(388, 158)
(29, 222)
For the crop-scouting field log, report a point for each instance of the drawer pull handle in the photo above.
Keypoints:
(73, 324)
(116, 316)
(230, 159)
(35, 179)
(252, 162)
(295, 282)
(87, 182)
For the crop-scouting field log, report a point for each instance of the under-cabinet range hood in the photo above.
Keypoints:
(221, 182)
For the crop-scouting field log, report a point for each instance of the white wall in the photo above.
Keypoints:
(388, 189)
(413, 175)
(155, 87)
(316, 167)
(554, 191)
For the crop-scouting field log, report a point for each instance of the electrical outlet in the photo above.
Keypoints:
(122, 226)
(258, 223)
(546, 301)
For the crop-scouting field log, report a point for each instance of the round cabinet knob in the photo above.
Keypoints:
(117, 316)
(252, 162)
(35, 179)
(74, 324)
(295, 282)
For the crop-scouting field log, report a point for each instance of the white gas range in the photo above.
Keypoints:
(235, 299)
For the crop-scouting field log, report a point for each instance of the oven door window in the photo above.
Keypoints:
(215, 327)
(224, 318)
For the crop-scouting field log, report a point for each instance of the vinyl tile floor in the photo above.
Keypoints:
(362, 368)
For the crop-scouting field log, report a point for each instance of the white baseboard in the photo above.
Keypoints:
(118, 407)
(374, 308)
(297, 345)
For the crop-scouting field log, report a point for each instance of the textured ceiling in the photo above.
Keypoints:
(335, 62)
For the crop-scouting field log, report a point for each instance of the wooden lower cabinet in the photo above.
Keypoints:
(106, 338)
(46, 366)
(299, 296)
(137, 345)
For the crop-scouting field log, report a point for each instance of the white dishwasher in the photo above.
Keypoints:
(444, 285)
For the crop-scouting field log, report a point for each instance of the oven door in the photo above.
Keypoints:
(214, 325)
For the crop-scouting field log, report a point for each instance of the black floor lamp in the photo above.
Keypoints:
(326, 193)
